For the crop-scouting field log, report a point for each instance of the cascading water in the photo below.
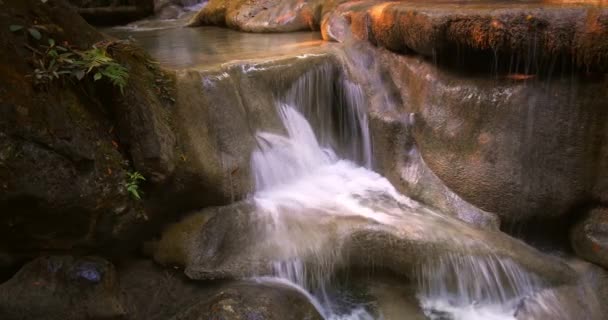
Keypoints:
(303, 180)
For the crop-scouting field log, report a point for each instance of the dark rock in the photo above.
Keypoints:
(62, 287)
(65, 150)
(154, 293)
(150, 292)
(589, 237)
(251, 301)
(113, 12)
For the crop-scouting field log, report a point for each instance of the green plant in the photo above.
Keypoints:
(133, 183)
(53, 62)
(97, 61)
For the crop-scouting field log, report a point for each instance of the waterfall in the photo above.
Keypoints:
(471, 287)
(321, 171)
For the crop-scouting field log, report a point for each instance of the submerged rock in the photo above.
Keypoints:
(62, 287)
(589, 237)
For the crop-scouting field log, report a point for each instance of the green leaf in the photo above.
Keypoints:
(51, 42)
(34, 33)
(97, 76)
(15, 27)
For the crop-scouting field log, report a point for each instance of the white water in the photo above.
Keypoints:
(300, 179)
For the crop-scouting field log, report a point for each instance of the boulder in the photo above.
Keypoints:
(153, 293)
(532, 36)
(62, 287)
(494, 141)
(589, 237)
(244, 301)
(261, 15)
(236, 241)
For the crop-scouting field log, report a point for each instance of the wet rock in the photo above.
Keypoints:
(400, 161)
(220, 111)
(581, 301)
(494, 142)
(62, 287)
(154, 293)
(455, 30)
(589, 237)
(396, 154)
(236, 242)
(262, 15)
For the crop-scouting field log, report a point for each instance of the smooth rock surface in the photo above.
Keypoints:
(520, 149)
(234, 243)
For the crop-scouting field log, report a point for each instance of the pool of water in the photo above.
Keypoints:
(180, 47)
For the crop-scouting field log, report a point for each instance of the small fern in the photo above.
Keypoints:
(97, 60)
(54, 62)
(116, 74)
(133, 181)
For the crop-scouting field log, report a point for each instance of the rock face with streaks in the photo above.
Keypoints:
(531, 36)
(521, 149)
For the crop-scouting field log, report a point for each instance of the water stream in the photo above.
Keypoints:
(303, 177)
(315, 186)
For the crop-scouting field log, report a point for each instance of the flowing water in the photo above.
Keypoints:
(315, 186)
(322, 168)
